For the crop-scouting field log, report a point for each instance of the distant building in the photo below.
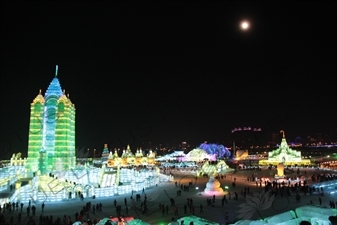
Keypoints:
(184, 146)
(246, 137)
(275, 138)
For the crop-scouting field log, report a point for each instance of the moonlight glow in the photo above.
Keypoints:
(244, 25)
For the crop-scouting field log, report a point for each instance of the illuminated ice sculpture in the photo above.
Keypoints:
(280, 171)
(284, 155)
(215, 149)
(50, 168)
(198, 155)
(51, 142)
(214, 168)
(213, 187)
(128, 158)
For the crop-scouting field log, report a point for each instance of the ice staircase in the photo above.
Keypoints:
(9, 175)
(108, 180)
(25, 194)
(51, 188)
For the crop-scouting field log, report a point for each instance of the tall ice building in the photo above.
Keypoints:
(51, 141)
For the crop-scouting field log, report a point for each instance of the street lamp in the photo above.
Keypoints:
(94, 152)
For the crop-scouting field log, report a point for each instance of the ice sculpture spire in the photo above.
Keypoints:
(54, 87)
(283, 134)
(56, 70)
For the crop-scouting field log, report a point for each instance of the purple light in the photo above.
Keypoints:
(215, 149)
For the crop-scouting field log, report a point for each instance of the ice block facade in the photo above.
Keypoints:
(51, 141)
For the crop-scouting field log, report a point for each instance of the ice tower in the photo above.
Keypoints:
(284, 155)
(51, 141)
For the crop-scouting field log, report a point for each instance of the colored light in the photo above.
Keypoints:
(219, 150)
(51, 142)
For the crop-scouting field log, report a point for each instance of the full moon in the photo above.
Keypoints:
(244, 25)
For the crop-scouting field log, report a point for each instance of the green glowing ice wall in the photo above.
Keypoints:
(35, 132)
(51, 142)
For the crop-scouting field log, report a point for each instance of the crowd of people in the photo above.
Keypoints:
(13, 213)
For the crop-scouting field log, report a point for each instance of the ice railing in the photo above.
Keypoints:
(314, 215)
(327, 186)
(9, 175)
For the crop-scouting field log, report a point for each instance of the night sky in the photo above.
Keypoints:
(166, 72)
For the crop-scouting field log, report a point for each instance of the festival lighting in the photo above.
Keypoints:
(284, 154)
(51, 142)
(50, 167)
(219, 150)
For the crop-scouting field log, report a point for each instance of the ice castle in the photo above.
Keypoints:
(285, 155)
(51, 141)
(50, 173)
